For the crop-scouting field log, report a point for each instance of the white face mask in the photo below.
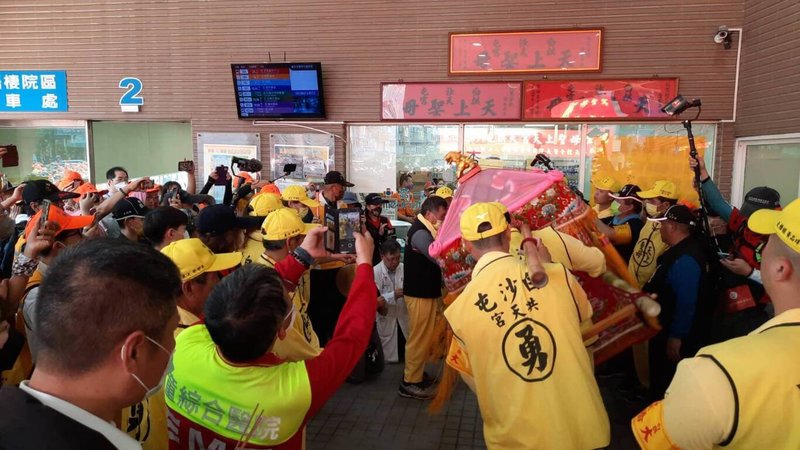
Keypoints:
(120, 185)
(149, 392)
(651, 209)
(291, 315)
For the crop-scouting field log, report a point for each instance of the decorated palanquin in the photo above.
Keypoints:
(542, 199)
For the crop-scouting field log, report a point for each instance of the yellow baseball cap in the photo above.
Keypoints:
(503, 208)
(784, 223)
(480, 213)
(444, 192)
(297, 193)
(263, 204)
(662, 188)
(606, 183)
(193, 258)
(283, 224)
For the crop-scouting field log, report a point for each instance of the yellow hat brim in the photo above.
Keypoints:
(649, 194)
(224, 261)
(764, 221)
(310, 203)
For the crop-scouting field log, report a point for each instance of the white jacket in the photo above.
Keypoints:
(397, 312)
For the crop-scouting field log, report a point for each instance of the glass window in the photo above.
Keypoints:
(515, 146)
(634, 153)
(46, 151)
(643, 153)
(380, 153)
(776, 166)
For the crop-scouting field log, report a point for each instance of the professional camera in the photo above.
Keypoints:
(247, 165)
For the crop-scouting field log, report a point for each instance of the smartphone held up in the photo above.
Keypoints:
(341, 225)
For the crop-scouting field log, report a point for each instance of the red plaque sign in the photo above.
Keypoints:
(541, 51)
(451, 102)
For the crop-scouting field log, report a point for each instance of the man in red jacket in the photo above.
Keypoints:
(226, 386)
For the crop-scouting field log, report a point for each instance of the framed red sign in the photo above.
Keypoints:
(543, 51)
(598, 99)
(451, 102)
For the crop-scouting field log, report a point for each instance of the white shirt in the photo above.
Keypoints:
(117, 438)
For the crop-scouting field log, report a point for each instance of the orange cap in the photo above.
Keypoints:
(64, 220)
(89, 188)
(70, 176)
(270, 189)
(237, 180)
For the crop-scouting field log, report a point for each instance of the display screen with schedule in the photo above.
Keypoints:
(279, 90)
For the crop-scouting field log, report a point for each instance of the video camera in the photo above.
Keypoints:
(678, 105)
(247, 165)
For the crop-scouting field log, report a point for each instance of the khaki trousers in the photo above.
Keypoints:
(421, 319)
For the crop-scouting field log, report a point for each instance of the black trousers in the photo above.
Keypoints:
(326, 303)
(661, 368)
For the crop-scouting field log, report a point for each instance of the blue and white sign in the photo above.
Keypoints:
(131, 100)
(33, 91)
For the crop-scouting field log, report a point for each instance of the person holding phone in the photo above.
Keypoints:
(220, 178)
(230, 357)
(743, 295)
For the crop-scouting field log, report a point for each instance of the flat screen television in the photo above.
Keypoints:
(279, 90)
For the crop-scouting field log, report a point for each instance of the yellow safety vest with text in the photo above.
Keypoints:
(220, 397)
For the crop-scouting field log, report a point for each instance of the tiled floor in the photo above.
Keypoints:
(372, 416)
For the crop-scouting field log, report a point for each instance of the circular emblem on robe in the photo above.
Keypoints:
(529, 350)
(644, 255)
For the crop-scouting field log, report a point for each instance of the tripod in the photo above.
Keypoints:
(706, 227)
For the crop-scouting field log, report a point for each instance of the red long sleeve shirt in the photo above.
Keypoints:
(327, 371)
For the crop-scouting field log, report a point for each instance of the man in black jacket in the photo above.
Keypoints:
(105, 319)
(422, 291)
(379, 227)
(684, 287)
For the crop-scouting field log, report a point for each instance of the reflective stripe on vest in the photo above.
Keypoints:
(221, 398)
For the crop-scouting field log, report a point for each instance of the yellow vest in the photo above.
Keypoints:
(253, 248)
(301, 341)
(532, 375)
(648, 248)
(764, 370)
(220, 397)
(564, 249)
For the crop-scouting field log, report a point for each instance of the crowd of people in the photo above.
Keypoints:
(139, 316)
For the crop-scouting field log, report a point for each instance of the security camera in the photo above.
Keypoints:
(723, 36)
